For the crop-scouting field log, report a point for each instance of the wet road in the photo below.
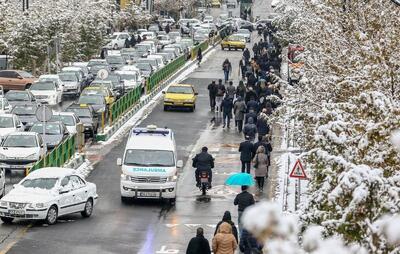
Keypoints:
(148, 226)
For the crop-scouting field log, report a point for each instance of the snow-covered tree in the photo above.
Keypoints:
(346, 108)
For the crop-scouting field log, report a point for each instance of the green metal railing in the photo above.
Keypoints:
(203, 46)
(58, 156)
(120, 106)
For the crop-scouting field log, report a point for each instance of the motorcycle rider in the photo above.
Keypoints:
(203, 162)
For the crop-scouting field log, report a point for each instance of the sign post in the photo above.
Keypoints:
(299, 173)
(44, 114)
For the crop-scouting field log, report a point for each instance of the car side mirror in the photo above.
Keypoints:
(179, 164)
(119, 162)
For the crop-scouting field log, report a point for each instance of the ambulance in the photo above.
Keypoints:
(149, 165)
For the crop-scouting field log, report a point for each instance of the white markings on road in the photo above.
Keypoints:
(192, 225)
(164, 250)
(212, 225)
(171, 225)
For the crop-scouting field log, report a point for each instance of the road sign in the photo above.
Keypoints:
(298, 171)
(102, 74)
(44, 113)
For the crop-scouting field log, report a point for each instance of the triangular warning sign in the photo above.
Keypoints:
(298, 171)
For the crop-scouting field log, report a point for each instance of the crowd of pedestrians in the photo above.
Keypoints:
(249, 103)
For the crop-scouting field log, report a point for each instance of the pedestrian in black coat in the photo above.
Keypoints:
(228, 219)
(262, 124)
(227, 106)
(243, 200)
(252, 104)
(198, 244)
(167, 29)
(212, 92)
(249, 244)
(250, 129)
(249, 115)
(246, 154)
(246, 55)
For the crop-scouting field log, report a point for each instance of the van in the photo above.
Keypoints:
(149, 165)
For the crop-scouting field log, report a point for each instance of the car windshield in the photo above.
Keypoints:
(65, 119)
(6, 122)
(41, 183)
(95, 62)
(149, 158)
(25, 74)
(17, 96)
(20, 141)
(143, 66)
(81, 112)
(39, 86)
(243, 31)
(91, 100)
(115, 60)
(102, 84)
(127, 76)
(142, 47)
(68, 77)
(51, 128)
(153, 62)
(24, 110)
(180, 89)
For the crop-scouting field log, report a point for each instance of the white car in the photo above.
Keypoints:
(10, 123)
(5, 106)
(117, 40)
(160, 60)
(71, 82)
(163, 40)
(131, 79)
(21, 150)
(208, 19)
(47, 193)
(149, 35)
(175, 36)
(47, 92)
(69, 119)
(52, 77)
(245, 33)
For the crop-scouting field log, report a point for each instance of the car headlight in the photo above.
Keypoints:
(32, 156)
(125, 177)
(3, 203)
(39, 205)
(2, 156)
(173, 178)
(190, 101)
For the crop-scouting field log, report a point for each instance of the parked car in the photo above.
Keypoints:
(117, 40)
(21, 150)
(87, 116)
(69, 119)
(47, 92)
(53, 133)
(47, 193)
(16, 79)
(71, 83)
(16, 97)
(26, 113)
(9, 123)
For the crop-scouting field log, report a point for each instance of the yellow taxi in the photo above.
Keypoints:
(216, 3)
(233, 42)
(180, 96)
(100, 90)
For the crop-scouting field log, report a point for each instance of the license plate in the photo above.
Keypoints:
(15, 166)
(16, 212)
(204, 180)
(148, 194)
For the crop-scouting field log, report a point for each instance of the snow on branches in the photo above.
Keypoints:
(346, 109)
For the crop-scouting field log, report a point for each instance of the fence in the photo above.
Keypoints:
(120, 106)
(60, 155)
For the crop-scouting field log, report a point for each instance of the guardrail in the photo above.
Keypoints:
(58, 156)
(120, 106)
(203, 46)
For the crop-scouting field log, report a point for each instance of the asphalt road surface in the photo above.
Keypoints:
(148, 226)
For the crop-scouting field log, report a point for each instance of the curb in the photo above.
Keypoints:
(128, 115)
(75, 162)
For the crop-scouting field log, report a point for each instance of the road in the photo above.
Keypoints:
(148, 226)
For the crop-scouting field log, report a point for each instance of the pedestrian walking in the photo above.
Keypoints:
(243, 200)
(261, 164)
(127, 43)
(212, 92)
(132, 41)
(239, 109)
(262, 124)
(227, 106)
(249, 244)
(250, 114)
(231, 90)
(199, 56)
(252, 104)
(246, 154)
(198, 244)
(224, 241)
(241, 90)
(250, 129)
(242, 68)
(139, 39)
(220, 95)
(246, 55)
(167, 29)
(227, 68)
(228, 219)
(255, 49)
(250, 94)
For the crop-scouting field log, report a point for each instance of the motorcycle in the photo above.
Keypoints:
(204, 182)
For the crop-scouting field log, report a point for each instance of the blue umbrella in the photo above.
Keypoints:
(240, 179)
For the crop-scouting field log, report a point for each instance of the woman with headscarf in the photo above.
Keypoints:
(228, 219)
(261, 164)
(224, 241)
(239, 109)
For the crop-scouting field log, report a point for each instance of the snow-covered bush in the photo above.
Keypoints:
(346, 108)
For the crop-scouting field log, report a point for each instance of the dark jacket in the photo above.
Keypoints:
(203, 161)
(252, 104)
(251, 115)
(198, 245)
(249, 95)
(246, 54)
(228, 219)
(212, 89)
(220, 90)
(246, 151)
(250, 129)
(258, 144)
(262, 126)
(226, 66)
(243, 200)
(227, 106)
(248, 244)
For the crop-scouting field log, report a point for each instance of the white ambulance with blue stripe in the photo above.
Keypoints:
(150, 165)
